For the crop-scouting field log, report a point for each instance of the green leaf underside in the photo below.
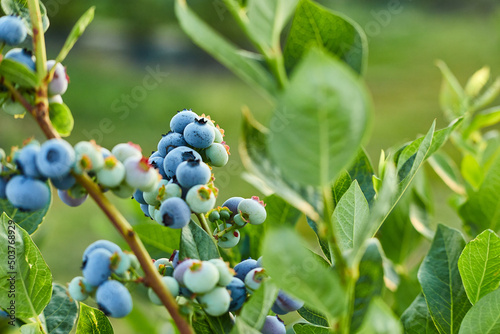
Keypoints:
(228, 54)
(334, 111)
(441, 282)
(159, 240)
(197, 244)
(482, 209)
(314, 25)
(299, 273)
(484, 316)
(256, 309)
(75, 33)
(61, 118)
(380, 319)
(92, 320)
(310, 329)
(256, 158)
(33, 279)
(479, 265)
(28, 220)
(323, 242)
(351, 212)
(447, 170)
(33, 328)
(280, 213)
(313, 316)
(369, 284)
(61, 312)
(17, 73)
(416, 318)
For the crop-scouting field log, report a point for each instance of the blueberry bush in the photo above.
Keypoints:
(379, 262)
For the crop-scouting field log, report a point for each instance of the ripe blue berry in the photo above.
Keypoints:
(139, 174)
(114, 299)
(199, 134)
(123, 151)
(104, 244)
(217, 155)
(225, 272)
(112, 173)
(63, 182)
(232, 204)
(157, 162)
(12, 30)
(26, 160)
(181, 269)
(238, 292)
(3, 186)
(273, 325)
(69, 200)
(145, 209)
(215, 302)
(97, 268)
(21, 56)
(201, 277)
(181, 120)
(139, 197)
(56, 158)
(285, 304)
(252, 211)
(244, 267)
(176, 156)
(174, 258)
(170, 141)
(193, 172)
(59, 83)
(254, 279)
(175, 213)
(200, 199)
(27, 194)
(79, 289)
(170, 283)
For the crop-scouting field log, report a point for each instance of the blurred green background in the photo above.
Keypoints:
(113, 103)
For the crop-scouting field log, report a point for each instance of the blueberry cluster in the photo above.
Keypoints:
(103, 260)
(25, 172)
(184, 159)
(203, 282)
(233, 215)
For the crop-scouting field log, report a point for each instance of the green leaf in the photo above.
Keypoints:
(447, 170)
(266, 19)
(32, 276)
(362, 171)
(440, 280)
(241, 326)
(482, 209)
(489, 95)
(20, 8)
(329, 106)
(92, 320)
(380, 319)
(479, 265)
(340, 187)
(256, 158)
(452, 94)
(160, 241)
(61, 312)
(313, 316)
(256, 309)
(483, 317)
(370, 282)
(280, 213)
(471, 171)
(228, 54)
(61, 118)
(417, 319)
(483, 119)
(323, 242)
(18, 73)
(197, 244)
(33, 328)
(477, 81)
(301, 328)
(351, 212)
(75, 33)
(203, 323)
(28, 220)
(314, 25)
(295, 270)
